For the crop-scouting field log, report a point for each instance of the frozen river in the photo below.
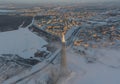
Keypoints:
(5, 11)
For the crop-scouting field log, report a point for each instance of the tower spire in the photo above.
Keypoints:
(63, 38)
(63, 56)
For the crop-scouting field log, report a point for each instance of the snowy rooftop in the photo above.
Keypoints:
(22, 42)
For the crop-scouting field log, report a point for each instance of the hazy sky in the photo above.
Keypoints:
(40, 1)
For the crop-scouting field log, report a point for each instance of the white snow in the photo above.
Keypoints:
(22, 42)
(37, 71)
(105, 70)
(113, 19)
(70, 32)
(4, 11)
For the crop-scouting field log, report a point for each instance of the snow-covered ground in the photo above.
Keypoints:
(105, 70)
(22, 42)
(38, 74)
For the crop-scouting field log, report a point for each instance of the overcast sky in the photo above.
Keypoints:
(41, 1)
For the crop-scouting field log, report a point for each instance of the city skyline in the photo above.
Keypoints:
(52, 1)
